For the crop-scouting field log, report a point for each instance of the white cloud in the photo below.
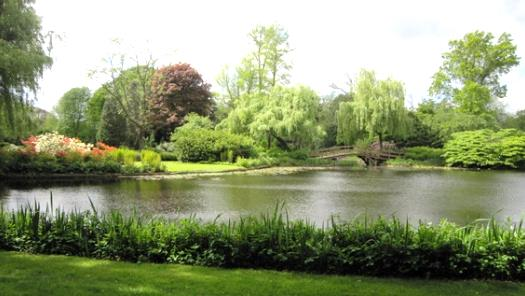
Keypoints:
(331, 39)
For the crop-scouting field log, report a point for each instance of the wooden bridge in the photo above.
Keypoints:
(372, 156)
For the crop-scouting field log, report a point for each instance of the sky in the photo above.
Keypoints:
(330, 40)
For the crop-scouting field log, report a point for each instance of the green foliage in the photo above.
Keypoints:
(71, 111)
(125, 156)
(471, 70)
(486, 149)
(151, 161)
(286, 117)
(15, 162)
(420, 156)
(125, 121)
(368, 247)
(441, 120)
(113, 128)
(94, 109)
(22, 61)
(195, 141)
(378, 109)
(328, 116)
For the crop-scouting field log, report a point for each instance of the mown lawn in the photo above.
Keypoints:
(23, 274)
(177, 166)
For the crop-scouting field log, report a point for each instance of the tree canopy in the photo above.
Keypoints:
(22, 59)
(177, 90)
(471, 70)
(71, 111)
(287, 117)
(378, 109)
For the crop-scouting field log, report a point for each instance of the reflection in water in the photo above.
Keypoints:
(460, 196)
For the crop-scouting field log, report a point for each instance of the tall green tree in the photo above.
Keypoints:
(328, 117)
(286, 118)
(94, 109)
(263, 68)
(378, 110)
(471, 71)
(22, 57)
(71, 111)
(129, 87)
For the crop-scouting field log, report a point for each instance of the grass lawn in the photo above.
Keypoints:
(177, 166)
(24, 274)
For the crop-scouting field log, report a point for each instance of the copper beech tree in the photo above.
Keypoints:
(176, 91)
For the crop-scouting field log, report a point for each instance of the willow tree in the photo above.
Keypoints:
(378, 110)
(22, 58)
(286, 117)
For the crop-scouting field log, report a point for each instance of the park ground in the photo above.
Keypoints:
(25, 274)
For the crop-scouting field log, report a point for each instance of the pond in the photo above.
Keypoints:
(459, 196)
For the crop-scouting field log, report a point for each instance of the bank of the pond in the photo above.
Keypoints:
(24, 274)
(361, 247)
(180, 170)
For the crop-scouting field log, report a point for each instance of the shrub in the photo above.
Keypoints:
(151, 160)
(379, 247)
(168, 156)
(125, 156)
(199, 144)
(421, 155)
(486, 149)
(55, 144)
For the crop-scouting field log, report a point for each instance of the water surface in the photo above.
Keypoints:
(459, 196)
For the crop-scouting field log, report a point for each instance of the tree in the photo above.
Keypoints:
(95, 107)
(443, 119)
(378, 109)
(177, 90)
(71, 111)
(130, 90)
(328, 117)
(113, 128)
(286, 117)
(22, 57)
(470, 73)
(262, 69)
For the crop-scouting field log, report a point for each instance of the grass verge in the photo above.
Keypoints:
(177, 166)
(24, 274)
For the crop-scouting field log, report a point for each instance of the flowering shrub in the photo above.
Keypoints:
(101, 149)
(56, 144)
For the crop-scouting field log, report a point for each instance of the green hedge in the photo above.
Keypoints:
(379, 248)
(199, 144)
(486, 149)
(421, 155)
(22, 163)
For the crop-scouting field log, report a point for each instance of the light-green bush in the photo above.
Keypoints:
(151, 160)
(199, 144)
(486, 149)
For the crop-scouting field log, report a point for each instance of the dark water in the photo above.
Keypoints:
(459, 196)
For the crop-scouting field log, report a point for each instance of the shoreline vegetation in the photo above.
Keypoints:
(484, 249)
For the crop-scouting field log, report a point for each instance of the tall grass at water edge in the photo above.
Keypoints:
(379, 247)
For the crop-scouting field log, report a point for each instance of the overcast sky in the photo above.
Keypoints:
(331, 40)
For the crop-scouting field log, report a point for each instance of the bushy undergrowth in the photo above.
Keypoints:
(486, 149)
(121, 160)
(292, 158)
(194, 145)
(380, 247)
(20, 163)
(420, 156)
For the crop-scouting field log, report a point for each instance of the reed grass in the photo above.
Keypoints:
(484, 249)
